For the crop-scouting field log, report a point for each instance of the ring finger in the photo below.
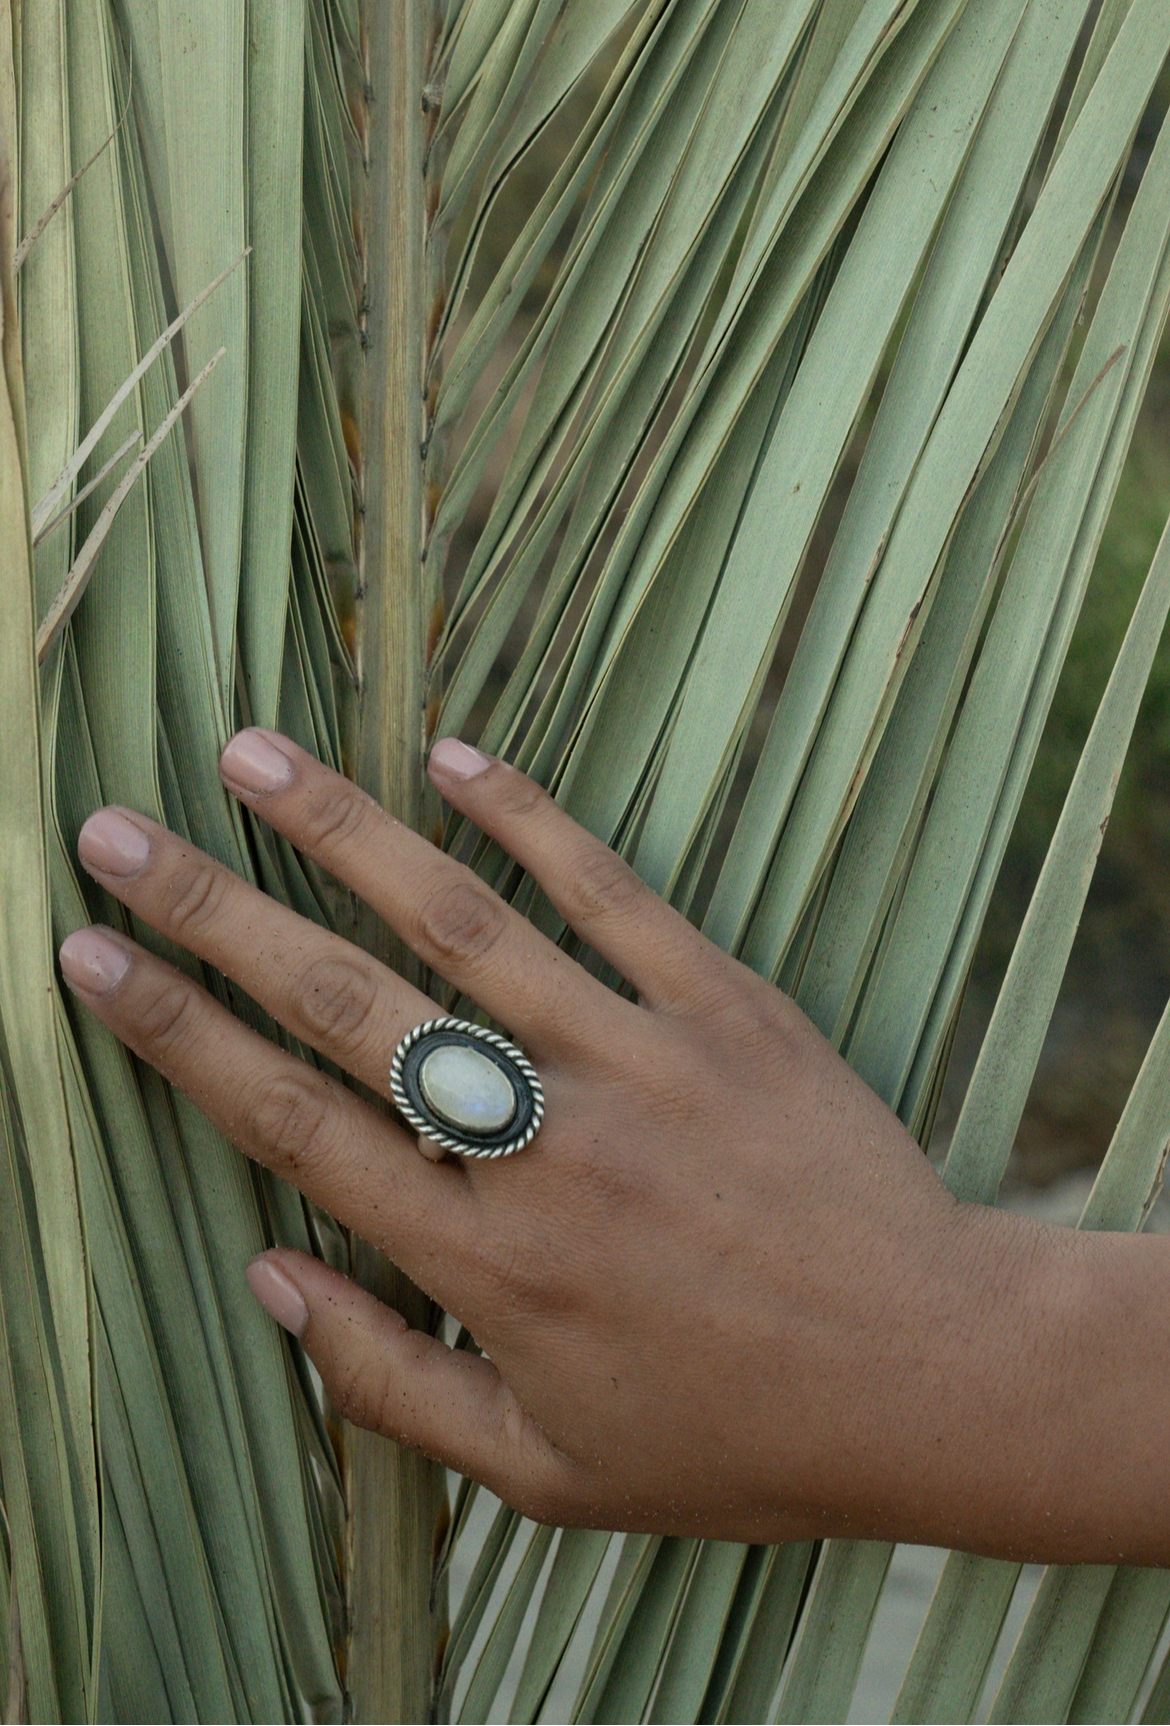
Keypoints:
(314, 1132)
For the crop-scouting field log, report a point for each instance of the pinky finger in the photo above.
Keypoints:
(450, 1404)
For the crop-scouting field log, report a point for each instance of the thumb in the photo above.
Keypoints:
(450, 1404)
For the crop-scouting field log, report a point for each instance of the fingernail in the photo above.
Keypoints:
(278, 1295)
(112, 844)
(93, 961)
(254, 764)
(458, 760)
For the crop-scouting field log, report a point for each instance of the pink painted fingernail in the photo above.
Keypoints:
(278, 1294)
(93, 961)
(254, 763)
(456, 760)
(113, 844)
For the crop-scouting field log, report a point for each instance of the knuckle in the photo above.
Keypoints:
(195, 894)
(602, 883)
(769, 1028)
(336, 998)
(716, 996)
(540, 1500)
(522, 1461)
(617, 1186)
(462, 923)
(334, 815)
(290, 1119)
(360, 1391)
(516, 1266)
(518, 1275)
(162, 1013)
(516, 796)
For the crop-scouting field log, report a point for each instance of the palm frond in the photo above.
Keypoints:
(714, 405)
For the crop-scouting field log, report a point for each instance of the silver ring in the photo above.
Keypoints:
(462, 1104)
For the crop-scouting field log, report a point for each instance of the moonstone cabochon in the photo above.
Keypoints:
(420, 1113)
(467, 1089)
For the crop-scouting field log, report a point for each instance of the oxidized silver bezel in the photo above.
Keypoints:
(413, 1106)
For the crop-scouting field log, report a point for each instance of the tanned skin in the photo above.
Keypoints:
(722, 1293)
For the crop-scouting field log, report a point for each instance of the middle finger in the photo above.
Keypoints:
(330, 994)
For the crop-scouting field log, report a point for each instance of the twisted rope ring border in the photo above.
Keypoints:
(450, 1141)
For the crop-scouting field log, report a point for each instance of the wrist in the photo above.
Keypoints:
(1055, 1374)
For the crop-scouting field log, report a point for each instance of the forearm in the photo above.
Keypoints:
(1040, 1427)
(1105, 1397)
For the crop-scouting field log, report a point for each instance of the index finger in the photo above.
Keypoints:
(441, 909)
(653, 946)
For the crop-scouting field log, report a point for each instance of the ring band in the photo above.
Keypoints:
(466, 1088)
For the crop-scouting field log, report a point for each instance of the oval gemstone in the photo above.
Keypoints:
(467, 1089)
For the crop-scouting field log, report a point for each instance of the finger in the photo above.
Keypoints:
(597, 893)
(455, 924)
(337, 1149)
(325, 991)
(450, 1404)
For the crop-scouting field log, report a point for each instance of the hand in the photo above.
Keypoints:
(722, 1293)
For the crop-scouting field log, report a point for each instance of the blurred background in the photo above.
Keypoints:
(1118, 978)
